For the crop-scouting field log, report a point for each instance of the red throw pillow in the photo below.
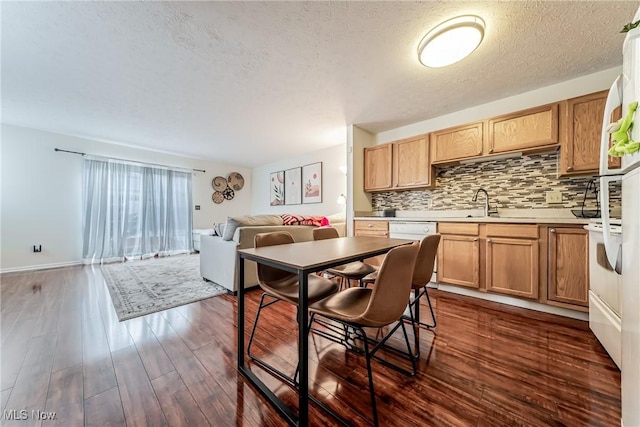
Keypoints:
(317, 220)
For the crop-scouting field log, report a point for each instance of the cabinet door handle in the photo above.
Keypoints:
(489, 240)
(369, 225)
(491, 150)
(475, 240)
(569, 168)
(552, 230)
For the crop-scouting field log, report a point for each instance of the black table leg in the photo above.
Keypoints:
(303, 349)
(240, 314)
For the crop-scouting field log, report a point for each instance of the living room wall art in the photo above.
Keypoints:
(312, 183)
(225, 188)
(293, 186)
(276, 182)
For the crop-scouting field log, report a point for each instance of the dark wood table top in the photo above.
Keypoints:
(320, 253)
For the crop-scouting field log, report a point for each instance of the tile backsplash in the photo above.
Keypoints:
(518, 183)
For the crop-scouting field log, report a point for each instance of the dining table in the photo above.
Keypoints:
(302, 258)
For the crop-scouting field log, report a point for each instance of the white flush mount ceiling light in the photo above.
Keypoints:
(451, 41)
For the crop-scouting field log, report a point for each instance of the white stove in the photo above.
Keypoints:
(605, 291)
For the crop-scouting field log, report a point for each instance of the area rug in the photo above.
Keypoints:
(142, 287)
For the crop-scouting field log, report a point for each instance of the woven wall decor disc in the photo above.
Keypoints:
(219, 183)
(217, 197)
(236, 181)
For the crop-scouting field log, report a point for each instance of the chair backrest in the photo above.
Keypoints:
(392, 288)
(323, 233)
(426, 260)
(268, 274)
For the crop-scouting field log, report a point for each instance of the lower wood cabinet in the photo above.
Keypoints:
(459, 254)
(569, 266)
(545, 263)
(371, 228)
(512, 266)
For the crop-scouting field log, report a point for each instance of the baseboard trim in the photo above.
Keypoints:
(41, 267)
(516, 302)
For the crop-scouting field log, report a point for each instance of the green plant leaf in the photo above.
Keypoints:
(630, 26)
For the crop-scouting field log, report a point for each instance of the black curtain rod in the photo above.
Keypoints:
(126, 160)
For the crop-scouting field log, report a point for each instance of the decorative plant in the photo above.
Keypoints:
(621, 134)
(630, 26)
(277, 191)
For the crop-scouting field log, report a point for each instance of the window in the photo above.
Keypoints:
(132, 210)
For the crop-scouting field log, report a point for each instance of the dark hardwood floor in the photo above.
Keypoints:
(63, 350)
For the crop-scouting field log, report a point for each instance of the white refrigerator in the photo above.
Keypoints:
(626, 256)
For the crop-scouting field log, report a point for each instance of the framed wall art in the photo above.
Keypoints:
(293, 186)
(276, 192)
(312, 183)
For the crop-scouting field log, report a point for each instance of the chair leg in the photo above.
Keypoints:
(433, 314)
(416, 335)
(409, 354)
(372, 393)
(297, 371)
(416, 309)
(255, 323)
(259, 361)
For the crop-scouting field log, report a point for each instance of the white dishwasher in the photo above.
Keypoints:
(414, 230)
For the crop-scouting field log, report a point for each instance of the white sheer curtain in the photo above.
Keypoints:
(132, 210)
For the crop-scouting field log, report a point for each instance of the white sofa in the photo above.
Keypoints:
(218, 257)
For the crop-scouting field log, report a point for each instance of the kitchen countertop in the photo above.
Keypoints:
(514, 216)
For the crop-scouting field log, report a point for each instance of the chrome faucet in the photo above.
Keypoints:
(485, 210)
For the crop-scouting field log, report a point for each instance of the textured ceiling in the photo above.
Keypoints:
(250, 82)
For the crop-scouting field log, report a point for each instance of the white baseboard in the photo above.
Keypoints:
(517, 302)
(40, 267)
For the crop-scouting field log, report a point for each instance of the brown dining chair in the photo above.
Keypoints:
(356, 270)
(281, 285)
(422, 273)
(360, 307)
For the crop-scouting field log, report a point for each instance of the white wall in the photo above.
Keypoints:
(41, 194)
(334, 183)
(565, 90)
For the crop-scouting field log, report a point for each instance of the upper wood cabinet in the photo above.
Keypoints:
(512, 260)
(530, 130)
(580, 150)
(377, 167)
(411, 165)
(524, 130)
(400, 165)
(569, 266)
(456, 143)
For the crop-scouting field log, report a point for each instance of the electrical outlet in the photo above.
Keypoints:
(554, 197)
